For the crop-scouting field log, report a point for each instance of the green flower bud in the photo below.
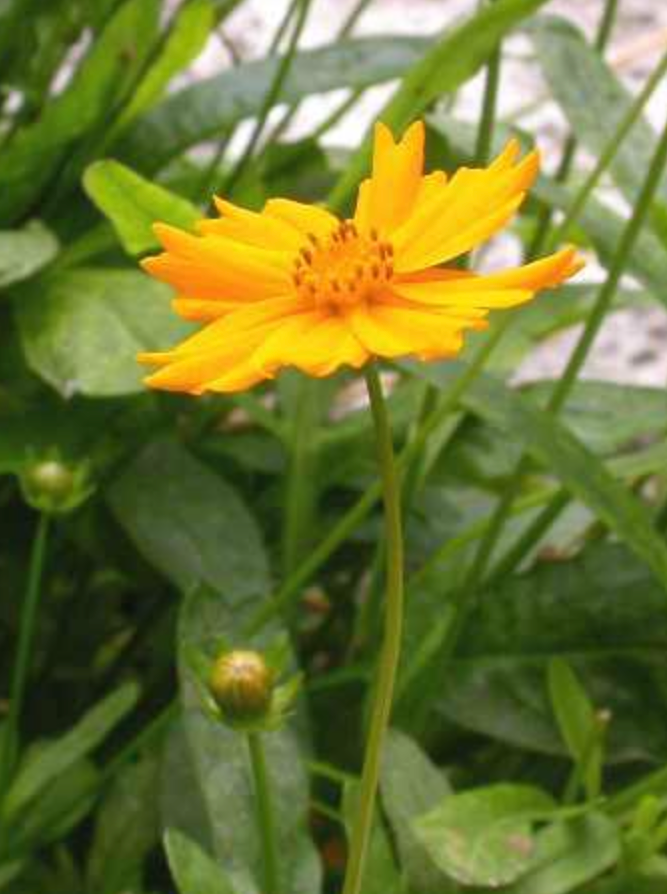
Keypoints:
(52, 479)
(242, 685)
(52, 485)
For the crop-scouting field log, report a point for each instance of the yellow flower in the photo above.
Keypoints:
(294, 286)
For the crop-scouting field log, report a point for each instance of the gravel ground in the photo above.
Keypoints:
(632, 347)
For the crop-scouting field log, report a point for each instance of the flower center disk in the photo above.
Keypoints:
(344, 269)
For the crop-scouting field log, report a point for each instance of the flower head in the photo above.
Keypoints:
(294, 286)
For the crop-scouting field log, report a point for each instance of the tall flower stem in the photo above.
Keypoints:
(27, 625)
(265, 819)
(362, 827)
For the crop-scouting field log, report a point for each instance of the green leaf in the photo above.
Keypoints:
(36, 151)
(126, 828)
(24, 252)
(187, 36)
(572, 853)
(48, 761)
(603, 226)
(548, 441)
(61, 805)
(594, 100)
(82, 329)
(211, 762)
(133, 204)
(411, 785)
(578, 723)
(214, 106)
(485, 836)
(450, 62)
(190, 524)
(572, 707)
(193, 870)
(578, 611)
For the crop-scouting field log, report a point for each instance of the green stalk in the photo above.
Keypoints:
(563, 387)
(544, 219)
(513, 557)
(577, 359)
(27, 626)
(300, 497)
(561, 232)
(489, 104)
(265, 818)
(347, 104)
(272, 96)
(389, 658)
(354, 516)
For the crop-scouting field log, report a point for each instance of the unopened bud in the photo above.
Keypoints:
(52, 485)
(242, 686)
(52, 478)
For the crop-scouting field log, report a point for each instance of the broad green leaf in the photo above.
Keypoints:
(82, 329)
(578, 611)
(214, 106)
(411, 785)
(127, 828)
(551, 443)
(609, 417)
(569, 854)
(187, 36)
(212, 762)
(193, 870)
(24, 252)
(450, 62)
(134, 204)
(30, 159)
(485, 836)
(190, 524)
(50, 760)
(593, 99)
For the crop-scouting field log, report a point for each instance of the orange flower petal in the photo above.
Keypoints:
(252, 228)
(469, 209)
(461, 289)
(216, 267)
(304, 218)
(390, 331)
(390, 194)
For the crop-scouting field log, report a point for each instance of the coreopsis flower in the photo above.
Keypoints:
(294, 286)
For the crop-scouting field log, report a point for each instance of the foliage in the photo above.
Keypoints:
(530, 745)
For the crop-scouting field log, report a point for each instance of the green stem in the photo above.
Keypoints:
(544, 219)
(489, 103)
(301, 496)
(564, 384)
(362, 827)
(27, 625)
(272, 96)
(561, 232)
(290, 589)
(265, 819)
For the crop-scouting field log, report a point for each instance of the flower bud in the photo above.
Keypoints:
(52, 485)
(52, 479)
(242, 685)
